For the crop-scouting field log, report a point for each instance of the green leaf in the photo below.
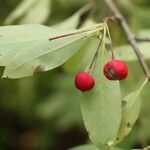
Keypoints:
(85, 147)
(20, 10)
(85, 54)
(126, 52)
(101, 107)
(91, 147)
(38, 14)
(74, 21)
(30, 11)
(26, 49)
(131, 106)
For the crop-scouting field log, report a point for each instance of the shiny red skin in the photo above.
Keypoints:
(115, 70)
(84, 81)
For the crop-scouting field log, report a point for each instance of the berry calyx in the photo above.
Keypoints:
(115, 70)
(84, 81)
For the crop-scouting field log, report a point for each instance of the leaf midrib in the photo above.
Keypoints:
(58, 48)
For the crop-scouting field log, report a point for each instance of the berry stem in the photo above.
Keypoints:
(111, 45)
(93, 60)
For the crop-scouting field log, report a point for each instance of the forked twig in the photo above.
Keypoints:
(130, 36)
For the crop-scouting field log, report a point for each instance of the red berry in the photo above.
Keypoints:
(115, 70)
(84, 81)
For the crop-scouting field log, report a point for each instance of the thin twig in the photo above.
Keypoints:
(130, 36)
(142, 39)
(111, 19)
(137, 38)
(69, 34)
(73, 33)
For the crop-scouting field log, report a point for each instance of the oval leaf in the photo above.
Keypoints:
(26, 49)
(74, 21)
(101, 107)
(131, 106)
(31, 11)
(85, 147)
(91, 147)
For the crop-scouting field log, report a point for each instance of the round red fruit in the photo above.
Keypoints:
(115, 70)
(84, 81)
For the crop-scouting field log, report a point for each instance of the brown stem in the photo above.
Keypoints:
(96, 53)
(112, 53)
(70, 34)
(142, 39)
(130, 36)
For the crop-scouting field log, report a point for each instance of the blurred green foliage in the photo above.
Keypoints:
(42, 112)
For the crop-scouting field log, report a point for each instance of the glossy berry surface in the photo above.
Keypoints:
(84, 81)
(115, 70)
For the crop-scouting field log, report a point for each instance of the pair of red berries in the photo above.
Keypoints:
(113, 70)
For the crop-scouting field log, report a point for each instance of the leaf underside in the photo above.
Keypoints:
(26, 49)
(102, 112)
